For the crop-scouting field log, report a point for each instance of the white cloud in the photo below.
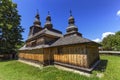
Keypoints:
(105, 34)
(97, 40)
(118, 13)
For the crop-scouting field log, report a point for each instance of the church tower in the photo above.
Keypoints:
(72, 28)
(36, 25)
(48, 23)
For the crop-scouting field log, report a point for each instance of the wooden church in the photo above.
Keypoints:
(48, 46)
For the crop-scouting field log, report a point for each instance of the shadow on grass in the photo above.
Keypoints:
(101, 66)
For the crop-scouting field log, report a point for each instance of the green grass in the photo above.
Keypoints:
(112, 71)
(14, 70)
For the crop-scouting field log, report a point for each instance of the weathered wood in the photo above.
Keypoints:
(36, 57)
(77, 55)
(73, 56)
(92, 55)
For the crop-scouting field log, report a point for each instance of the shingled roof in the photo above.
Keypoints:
(53, 32)
(36, 47)
(72, 39)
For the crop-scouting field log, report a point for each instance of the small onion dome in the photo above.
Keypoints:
(37, 20)
(48, 23)
(71, 20)
(48, 18)
(72, 28)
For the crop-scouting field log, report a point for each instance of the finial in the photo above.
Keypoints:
(70, 13)
(48, 18)
(37, 18)
(48, 23)
(37, 15)
(71, 18)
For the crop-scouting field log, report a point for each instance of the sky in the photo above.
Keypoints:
(95, 19)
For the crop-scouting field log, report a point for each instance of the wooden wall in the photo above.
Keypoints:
(48, 56)
(82, 55)
(35, 55)
(74, 55)
(92, 54)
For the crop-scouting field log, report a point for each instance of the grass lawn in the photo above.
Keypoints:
(14, 70)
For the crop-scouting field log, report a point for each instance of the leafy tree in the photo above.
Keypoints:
(117, 41)
(107, 42)
(10, 25)
(112, 42)
(22, 44)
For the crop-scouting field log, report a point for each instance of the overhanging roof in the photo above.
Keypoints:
(52, 32)
(72, 39)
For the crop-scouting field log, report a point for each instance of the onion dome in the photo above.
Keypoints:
(48, 23)
(37, 20)
(36, 26)
(72, 27)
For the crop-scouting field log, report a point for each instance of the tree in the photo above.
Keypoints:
(112, 42)
(10, 25)
(117, 41)
(107, 42)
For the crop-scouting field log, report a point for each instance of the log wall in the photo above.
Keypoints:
(92, 54)
(35, 55)
(81, 55)
(48, 56)
(73, 59)
(74, 55)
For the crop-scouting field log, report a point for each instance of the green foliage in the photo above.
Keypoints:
(22, 44)
(10, 24)
(112, 42)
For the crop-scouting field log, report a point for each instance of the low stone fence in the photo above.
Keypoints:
(110, 52)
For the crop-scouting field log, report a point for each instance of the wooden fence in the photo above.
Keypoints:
(110, 52)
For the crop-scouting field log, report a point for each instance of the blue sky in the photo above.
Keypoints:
(94, 18)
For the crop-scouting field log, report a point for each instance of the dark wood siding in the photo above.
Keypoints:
(92, 54)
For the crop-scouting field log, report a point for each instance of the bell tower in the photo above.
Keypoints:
(72, 28)
(48, 23)
(36, 25)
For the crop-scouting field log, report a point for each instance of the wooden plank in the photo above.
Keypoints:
(75, 61)
(37, 57)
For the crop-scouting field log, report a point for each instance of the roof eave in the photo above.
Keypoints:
(78, 43)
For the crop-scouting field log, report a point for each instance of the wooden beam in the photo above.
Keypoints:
(88, 70)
